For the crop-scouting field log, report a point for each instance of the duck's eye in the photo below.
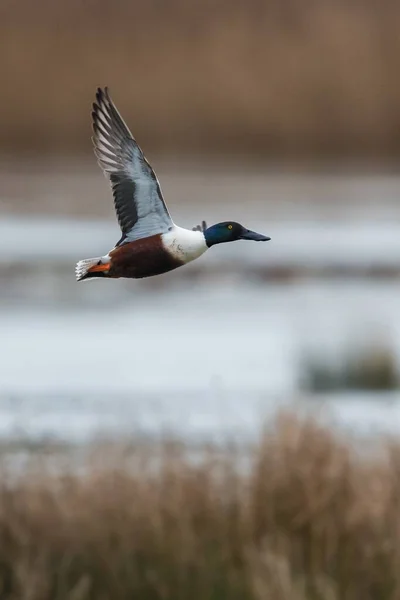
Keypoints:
(230, 226)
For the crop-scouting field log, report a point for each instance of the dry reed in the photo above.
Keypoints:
(307, 518)
(271, 77)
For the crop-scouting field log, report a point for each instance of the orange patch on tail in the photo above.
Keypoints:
(97, 268)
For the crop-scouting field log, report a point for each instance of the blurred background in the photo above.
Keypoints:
(279, 114)
(227, 431)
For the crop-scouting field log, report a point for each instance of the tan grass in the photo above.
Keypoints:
(270, 77)
(309, 519)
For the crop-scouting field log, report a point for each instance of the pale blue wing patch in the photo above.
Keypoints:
(140, 207)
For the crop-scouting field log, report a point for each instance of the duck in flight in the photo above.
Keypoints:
(151, 243)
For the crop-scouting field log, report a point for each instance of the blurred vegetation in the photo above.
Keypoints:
(307, 519)
(261, 77)
(372, 368)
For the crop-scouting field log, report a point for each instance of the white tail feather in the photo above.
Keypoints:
(83, 266)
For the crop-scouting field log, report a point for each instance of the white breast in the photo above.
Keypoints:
(184, 244)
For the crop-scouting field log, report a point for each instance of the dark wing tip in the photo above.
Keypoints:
(96, 111)
(201, 227)
(99, 115)
(103, 95)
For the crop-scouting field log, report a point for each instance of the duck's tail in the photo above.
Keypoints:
(92, 268)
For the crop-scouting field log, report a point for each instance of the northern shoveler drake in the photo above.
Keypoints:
(151, 243)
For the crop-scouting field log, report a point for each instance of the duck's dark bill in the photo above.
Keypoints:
(252, 235)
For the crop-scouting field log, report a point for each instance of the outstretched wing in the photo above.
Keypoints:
(140, 207)
(201, 227)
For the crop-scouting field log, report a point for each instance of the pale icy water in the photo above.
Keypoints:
(216, 359)
(211, 349)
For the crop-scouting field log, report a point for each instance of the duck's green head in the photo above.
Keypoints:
(229, 231)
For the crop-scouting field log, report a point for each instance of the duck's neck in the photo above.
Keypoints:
(212, 236)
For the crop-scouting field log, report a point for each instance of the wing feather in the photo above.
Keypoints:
(140, 207)
(201, 227)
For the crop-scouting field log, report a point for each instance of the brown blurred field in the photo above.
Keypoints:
(305, 517)
(275, 78)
